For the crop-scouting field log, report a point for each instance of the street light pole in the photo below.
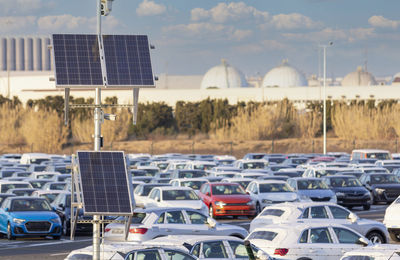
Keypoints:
(324, 95)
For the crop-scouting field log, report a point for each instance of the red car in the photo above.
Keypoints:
(227, 199)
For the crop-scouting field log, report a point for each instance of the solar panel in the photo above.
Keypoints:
(105, 183)
(77, 60)
(127, 60)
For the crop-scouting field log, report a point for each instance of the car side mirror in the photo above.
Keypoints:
(207, 193)
(54, 208)
(352, 217)
(211, 222)
(61, 206)
(363, 241)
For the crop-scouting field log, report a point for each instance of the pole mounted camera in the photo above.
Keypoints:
(106, 7)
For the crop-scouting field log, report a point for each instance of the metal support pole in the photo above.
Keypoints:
(324, 95)
(97, 140)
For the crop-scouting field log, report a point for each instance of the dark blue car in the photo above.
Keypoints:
(29, 217)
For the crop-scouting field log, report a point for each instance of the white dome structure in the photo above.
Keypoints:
(360, 77)
(284, 76)
(396, 79)
(223, 76)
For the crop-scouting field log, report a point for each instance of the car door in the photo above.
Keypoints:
(205, 194)
(197, 223)
(316, 213)
(175, 224)
(347, 240)
(214, 250)
(316, 243)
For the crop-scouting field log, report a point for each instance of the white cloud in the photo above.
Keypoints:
(239, 35)
(228, 12)
(149, 8)
(293, 21)
(18, 7)
(16, 23)
(380, 21)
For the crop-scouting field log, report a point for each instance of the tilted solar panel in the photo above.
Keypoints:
(105, 183)
(127, 60)
(77, 60)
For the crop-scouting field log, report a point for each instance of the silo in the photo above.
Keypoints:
(46, 54)
(11, 53)
(3, 54)
(20, 54)
(37, 54)
(28, 53)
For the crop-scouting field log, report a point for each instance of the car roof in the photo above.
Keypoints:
(192, 239)
(269, 181)
(173, 188)
(305, 178)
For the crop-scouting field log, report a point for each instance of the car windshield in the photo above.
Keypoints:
(311, 185)
(6, 187)
(274, 187)
(345, 182)
(384, 179)
(193, 184)
(29, 205)
(147, 189)
(299, 161)
(151, 172)
(379, 156)
(58, 186)
(227, 190)
(45, 176)
(265, 235)
(50, 197)
(203, 166)
(243, 183)
(179, 195)
(137, 218)
(253, 165)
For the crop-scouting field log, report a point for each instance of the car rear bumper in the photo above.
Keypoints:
(235, 211)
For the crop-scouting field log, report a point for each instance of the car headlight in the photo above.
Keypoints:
(18, 220)
(340, 194)
(56, 220)
(379, 191)
(267, 201)
(220, 203)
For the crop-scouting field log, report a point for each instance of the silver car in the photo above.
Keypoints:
(151, 223)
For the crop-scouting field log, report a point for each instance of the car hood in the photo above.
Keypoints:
(279, 196)
(386, 186)
(232, 198)
(33, 215)
(196, 204)
(352, 190)
(316, 193)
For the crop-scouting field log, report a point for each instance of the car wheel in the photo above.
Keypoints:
(211, 212)
(56, 237)
(258, 208)
(9, 232)
(375, 237)
(366, 206)
(66, 231)
(395, 236)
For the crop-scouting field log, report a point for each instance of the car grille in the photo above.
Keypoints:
(236, 204)
(320, 199)
(392, 193)
(354, 194)
(38, 226)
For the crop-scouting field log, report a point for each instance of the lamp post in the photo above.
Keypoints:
(324, 95)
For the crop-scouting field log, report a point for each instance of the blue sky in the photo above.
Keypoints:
(191, 36)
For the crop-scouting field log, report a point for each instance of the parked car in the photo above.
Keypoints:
(227, 199)
(174, 197)
(6, 185)
(383, 187)
(315, 241)
(183, 173)
(320, 212)
(194, 183)
(3, 196)
(374, 252)
(28, 217)
(370, 153)
(349, 191)
(242, 181)
(392, 220)
(267, 192)
(49, 195)
(151, 223)
(141, 192)
(22, 191)
(312, 189)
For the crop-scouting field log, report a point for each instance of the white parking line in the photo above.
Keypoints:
(51, 243)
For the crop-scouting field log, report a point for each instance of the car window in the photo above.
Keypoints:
(272, 212)
(318, 212)
(175, 255)
(30, 205)
(148, 255)
(346, 236)
(305, 213)
(196, 250)
(227, 189)
(304, 236)
(214, 249)
(196, 218)
(175, 217)
(160, 219)
(265, 235)
(275, 187)
(238, 249)
(339, 213)
(320, 235)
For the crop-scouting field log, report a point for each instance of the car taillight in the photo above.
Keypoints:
(281, 251)
(138, 231)
(107, 229)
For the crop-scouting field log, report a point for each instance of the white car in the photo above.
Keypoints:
(375, 252)
(307, 240)
(151, 223)
(194, 183)
(175, 197)
(141, 192)
(392, 220)
(267, 192)
(320, 212)
(200, 165)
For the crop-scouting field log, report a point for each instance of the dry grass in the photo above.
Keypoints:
(308, 124)
(10, 122)
(82, 129)
(44, 130)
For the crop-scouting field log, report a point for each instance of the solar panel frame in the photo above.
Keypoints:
(105, 193)
(126, 63)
